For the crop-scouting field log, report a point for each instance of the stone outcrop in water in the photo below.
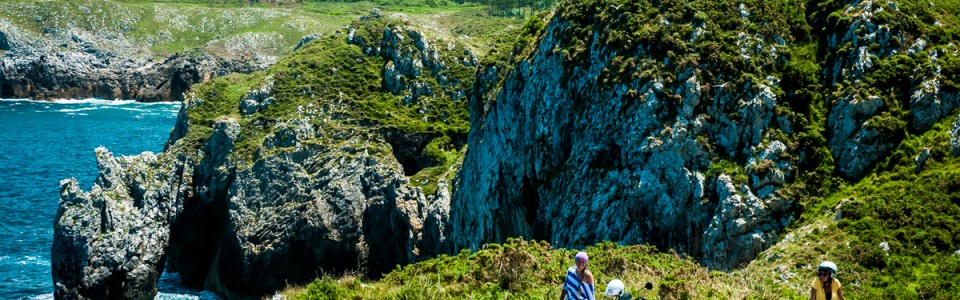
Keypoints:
(111, 242)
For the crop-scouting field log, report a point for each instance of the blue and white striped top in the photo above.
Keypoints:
(576, 288)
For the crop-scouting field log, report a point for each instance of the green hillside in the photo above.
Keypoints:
(223, 28)
(893, 232)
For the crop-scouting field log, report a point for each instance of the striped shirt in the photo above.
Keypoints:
(576, 288)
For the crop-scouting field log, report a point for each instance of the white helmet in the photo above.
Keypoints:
(614, 288)
(828, 266)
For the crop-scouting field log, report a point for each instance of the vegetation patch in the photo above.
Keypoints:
(531, 270)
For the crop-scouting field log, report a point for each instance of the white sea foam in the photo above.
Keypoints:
(93, 101)
(171, 289)
(174, 106)
(33, 260)
(134, 109)
(25, 260)
(70, 110)
(43, 297)
(205, 295)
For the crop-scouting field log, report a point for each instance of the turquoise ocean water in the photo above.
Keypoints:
(44, 142)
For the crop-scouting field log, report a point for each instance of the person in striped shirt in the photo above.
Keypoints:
(578, 284)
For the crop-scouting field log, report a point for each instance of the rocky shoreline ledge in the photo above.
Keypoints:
(93, 73)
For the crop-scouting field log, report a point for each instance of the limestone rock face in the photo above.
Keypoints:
(557, 155)
(306, 39)
(860, 121)
(408, 60)
(111, 242)
(242, 233)
(740, 225)
(928, 103)
(855, 147)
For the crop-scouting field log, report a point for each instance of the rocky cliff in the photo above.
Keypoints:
(292, 176)
(593, 136)
(699, 127)
(687, 125)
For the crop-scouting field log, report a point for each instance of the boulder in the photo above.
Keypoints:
(306, 40)
(921, 158)
(257, 100)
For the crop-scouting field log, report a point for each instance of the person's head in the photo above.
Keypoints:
(615, 289)
(581, 260)
(826, 270)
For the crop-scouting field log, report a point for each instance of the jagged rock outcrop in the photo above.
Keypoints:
(315, 208)
(856, 148)
(241, 233)
(305, 40)
(741, 224)
(405, 64)
(111, 242)
(558, 154)
(930, 101)
(921, 158)
(49, 74)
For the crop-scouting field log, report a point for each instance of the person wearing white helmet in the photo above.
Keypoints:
(578, 284)
(616, 290)
(826, 287)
